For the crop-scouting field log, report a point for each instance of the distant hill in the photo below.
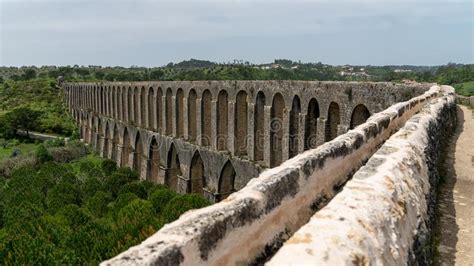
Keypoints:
(192, 63)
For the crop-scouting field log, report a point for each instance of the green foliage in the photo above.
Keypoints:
(160, 198)
(21, 118)
(108, 166)
(42, 154)
(135, 187)
(62, 194)
(98, 204)
(180, 204)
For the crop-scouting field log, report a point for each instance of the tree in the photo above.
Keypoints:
(22, 118)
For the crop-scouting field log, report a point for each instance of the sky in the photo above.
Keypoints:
(154, 33)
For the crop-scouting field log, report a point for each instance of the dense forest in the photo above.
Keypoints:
(61, 204)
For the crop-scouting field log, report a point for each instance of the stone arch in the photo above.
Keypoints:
(241, 123)
(276, 130)
(151, 112)
(153, 168)
(159, 109)
(115, 142)
(259, 127)
(192, 115)
(125, 148)
(226, 181)
(222, 120)
(206, 119)
(169, 112)
(360, 114)
(143, 105)
(179, 113)
(196, 174)
(174, 168)
(332, 121)
(138, 158)
(294, 127)
(129, 105)
(311, 125)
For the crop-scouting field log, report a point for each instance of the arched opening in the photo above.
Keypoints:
(151, 112)
(241, 116)
(159, 109)
(333, 120)
(226, 181)
(192, 114)
(174, 168)
(129, 105)
(222, 120)
(206, 125)
(311, 125)
(136, 106)
(259, 127)
(143, 104)
(138, 158)
(276, 130)
(125, 149)
(294, 125)
(360, 114)
(169, 112)
(196, 174)
(154, 161)
(115, 142)
(179, 113)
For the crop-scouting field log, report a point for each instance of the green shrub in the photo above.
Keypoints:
(42, 154)
(90, 186)
(108, 167)
(160, 198)
(66, 154)
(56, 142)
(10, 165)
(137, 215)
(17, 215)
(61, 195)
(74, 215)
(135, 187)
(115, 182)
(98, 204)
(180, 204)
(123, 200)
(129, 173)
(89, 168)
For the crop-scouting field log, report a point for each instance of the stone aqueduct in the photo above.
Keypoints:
(212, 137)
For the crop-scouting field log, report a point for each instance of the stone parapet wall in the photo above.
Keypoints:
(465, 100)
(384, 215)
(251, 224)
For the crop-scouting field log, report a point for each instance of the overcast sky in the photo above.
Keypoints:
(153, 33)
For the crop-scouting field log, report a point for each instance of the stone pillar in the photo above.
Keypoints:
(231, 127)
(301, 132)
(320, 131)
(143, 173)
(131, 158)
(267, 128)
(154, 123)
(198, 122)
(173, 117)
(185, 118)
(341, 129)
(163, 114)
(285, 135)
(214, 125)
(250, 131)
(162, 172)
(210, 196)
(184, 185)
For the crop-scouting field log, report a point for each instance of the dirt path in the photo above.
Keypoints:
(456, 198)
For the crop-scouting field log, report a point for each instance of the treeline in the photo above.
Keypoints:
(33, 105)
(80, 212)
